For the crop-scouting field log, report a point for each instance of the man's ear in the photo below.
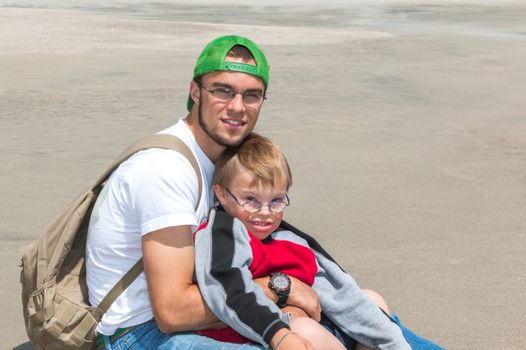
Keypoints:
(195, 92)
(220, 193)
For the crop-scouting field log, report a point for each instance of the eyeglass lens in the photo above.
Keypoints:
(227, 95)
(253, 206)
(275, 207)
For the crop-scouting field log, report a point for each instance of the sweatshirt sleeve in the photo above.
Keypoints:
(352, 311)
(223, 256)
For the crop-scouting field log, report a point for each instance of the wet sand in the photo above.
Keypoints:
(404, 124)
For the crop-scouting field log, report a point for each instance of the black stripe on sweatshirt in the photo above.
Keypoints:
(258, 317)
(313, 243)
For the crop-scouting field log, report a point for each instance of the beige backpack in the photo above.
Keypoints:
(54, 292)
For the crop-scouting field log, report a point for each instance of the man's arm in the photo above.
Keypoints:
(168, 266)
(302, 296)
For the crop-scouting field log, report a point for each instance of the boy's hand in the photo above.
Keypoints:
(295, 342)
(288, 340)
(305, 298)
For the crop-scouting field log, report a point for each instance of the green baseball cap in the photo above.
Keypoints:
(212, 59)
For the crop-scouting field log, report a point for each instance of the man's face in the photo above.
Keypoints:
(227, 123)
(263, 222)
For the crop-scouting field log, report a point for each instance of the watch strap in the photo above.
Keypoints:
(283, 296)
(282, 299)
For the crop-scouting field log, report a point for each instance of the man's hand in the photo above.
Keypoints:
(294, 311)
(285, 339)
(301, 296)
(304, 297)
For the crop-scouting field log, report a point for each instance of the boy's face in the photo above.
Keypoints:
(263, 222)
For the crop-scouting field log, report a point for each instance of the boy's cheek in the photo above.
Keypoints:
(232, 210)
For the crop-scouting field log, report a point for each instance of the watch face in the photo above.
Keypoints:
(281, 282)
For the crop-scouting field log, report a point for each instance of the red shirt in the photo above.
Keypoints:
(268, 256)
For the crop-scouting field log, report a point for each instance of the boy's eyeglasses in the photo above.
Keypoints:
(252, 206)
(225, 94)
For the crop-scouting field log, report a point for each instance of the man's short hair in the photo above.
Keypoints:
(242, 52)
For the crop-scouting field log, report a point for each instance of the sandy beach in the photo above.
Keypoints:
(404, 123)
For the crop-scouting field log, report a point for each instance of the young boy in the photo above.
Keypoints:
(245, 242)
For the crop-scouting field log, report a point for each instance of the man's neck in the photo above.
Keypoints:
(209, 146)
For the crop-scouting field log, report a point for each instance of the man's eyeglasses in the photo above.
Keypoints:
(277, 205)
(225, 94)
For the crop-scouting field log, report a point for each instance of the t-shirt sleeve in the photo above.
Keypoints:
(162, 190)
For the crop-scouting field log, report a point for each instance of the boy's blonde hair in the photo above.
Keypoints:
(260, 157)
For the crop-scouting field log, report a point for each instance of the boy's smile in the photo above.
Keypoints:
(241, 196)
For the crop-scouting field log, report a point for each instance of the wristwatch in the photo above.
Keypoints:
(280, 284)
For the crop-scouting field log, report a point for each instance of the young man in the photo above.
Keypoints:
(146, 209)
(245, 241)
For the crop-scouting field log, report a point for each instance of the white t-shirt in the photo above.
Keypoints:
(154, 189)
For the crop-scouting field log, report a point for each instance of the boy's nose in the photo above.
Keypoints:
(265, 209)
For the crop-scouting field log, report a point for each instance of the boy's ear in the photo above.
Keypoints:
(220, 193)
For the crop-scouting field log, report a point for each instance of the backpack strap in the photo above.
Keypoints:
(163, 141)
(121, 285)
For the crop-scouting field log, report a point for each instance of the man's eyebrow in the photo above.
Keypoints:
(219, 84)
(227, 86)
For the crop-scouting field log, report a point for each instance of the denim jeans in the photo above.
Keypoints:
(415, 341)
(148, 336)
(348, 342)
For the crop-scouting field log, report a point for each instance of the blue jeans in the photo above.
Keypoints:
(348, 342)
(415, 341)
(148, 336)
